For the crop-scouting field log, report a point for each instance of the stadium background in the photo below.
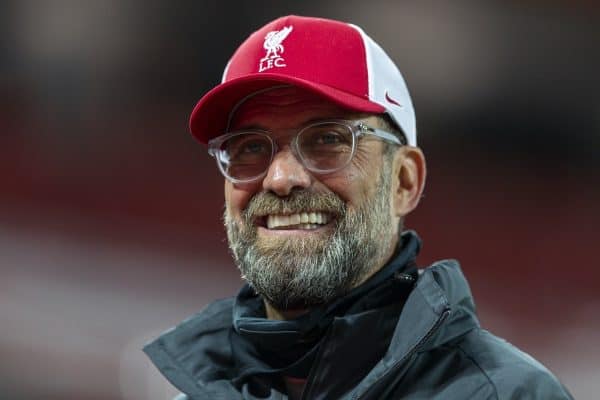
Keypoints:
(110, 226)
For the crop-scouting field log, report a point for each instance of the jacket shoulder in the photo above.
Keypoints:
(216, 313)
(512, 372)
(194, 345)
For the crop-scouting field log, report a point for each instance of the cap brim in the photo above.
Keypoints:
(210, 116)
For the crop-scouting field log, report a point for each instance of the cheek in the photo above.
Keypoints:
(356, 184)
(349, 186)
(237, 197)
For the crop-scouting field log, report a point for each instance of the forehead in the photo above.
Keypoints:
(285, 107)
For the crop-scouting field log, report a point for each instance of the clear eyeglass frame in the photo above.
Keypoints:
(357, 128)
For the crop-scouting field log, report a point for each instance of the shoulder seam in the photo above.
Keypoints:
(470, 358)
(175, 362)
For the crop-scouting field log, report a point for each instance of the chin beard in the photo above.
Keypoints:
(301, 272)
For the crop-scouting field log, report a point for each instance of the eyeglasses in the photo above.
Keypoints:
(322, 147)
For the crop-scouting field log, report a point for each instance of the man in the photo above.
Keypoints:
(314, 131)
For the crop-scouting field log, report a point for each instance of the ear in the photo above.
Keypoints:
(410, 172)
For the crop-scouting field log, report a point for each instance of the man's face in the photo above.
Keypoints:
(300, 238)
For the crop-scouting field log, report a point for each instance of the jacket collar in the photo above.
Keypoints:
(439, 309)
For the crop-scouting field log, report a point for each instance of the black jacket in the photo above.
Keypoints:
(437, 351)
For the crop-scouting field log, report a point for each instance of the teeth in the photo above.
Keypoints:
(300, 220)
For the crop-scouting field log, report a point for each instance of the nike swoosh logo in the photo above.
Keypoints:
(390, 100)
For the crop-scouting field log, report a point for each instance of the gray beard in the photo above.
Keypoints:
(297, 273)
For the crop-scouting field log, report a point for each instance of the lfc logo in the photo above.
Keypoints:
(274, 47)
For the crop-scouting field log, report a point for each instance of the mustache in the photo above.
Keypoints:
(265, 203)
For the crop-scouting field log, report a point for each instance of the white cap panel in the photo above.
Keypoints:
(388, 88)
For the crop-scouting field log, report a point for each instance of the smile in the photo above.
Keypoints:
(303, 221)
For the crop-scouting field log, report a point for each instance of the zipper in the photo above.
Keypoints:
(429, 333)
(312, 374)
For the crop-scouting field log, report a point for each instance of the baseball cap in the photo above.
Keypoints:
(333, 59)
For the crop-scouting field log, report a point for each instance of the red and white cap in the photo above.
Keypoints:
(334, 59)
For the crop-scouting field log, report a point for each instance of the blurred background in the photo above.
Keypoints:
(110, 227)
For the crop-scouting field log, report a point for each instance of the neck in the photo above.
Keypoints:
(273, 313)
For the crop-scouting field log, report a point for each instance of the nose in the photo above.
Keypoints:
(286, 173)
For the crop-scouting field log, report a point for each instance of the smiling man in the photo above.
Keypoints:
(314, 131)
